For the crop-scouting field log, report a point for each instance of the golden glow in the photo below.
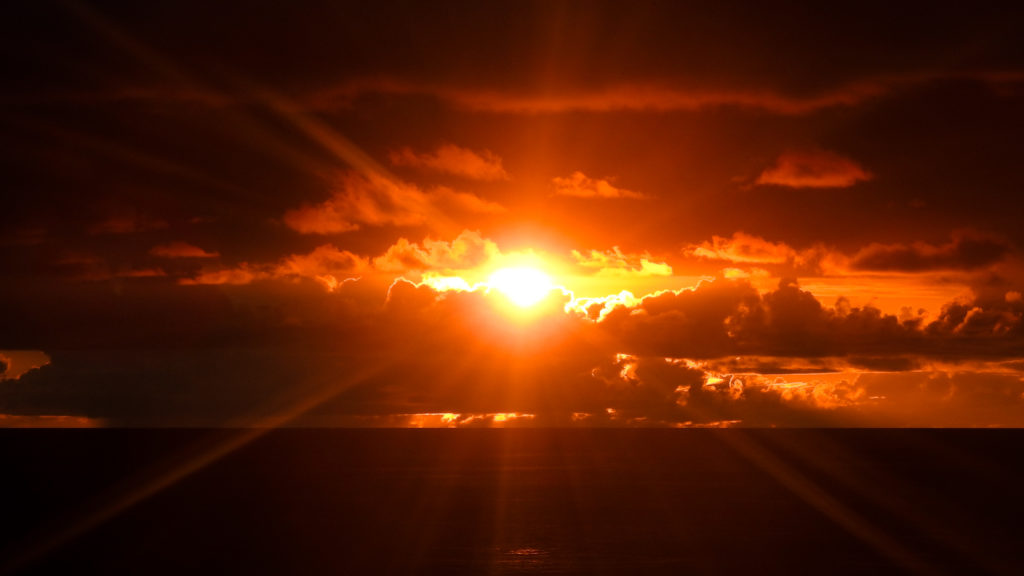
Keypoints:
(523, 286)
(446, 283)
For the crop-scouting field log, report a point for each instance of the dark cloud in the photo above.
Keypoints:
(944, 398)
(180, 249)
(966, 251)
(127, 224)
(813, 169)
(724, 318)
(206, 355)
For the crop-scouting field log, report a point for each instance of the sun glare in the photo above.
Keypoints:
(523, 286)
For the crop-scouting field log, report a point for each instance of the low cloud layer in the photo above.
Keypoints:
(669, 358)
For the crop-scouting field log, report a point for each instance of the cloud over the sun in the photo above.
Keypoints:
(579, 185)
(813, 169)
(667, 357)
(452, 159)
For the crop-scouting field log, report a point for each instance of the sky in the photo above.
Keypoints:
(533, 213)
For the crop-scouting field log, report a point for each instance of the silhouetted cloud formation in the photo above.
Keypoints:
(814, 169)
(966, 251)
(657, 359)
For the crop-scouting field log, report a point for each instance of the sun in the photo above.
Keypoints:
(523, 286)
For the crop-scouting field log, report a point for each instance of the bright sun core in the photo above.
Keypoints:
(523, 286)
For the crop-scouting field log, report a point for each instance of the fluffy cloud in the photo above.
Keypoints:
(360, 200)
(452, 159)
(744, 248)
(580, 186)
(813, 169)
(469, 249)
(330, 266)
(181, 250)
(723, 318)
(326, 264)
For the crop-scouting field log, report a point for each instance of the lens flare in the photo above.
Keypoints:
(523, 286)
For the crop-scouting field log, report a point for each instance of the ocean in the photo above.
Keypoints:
(512, 501)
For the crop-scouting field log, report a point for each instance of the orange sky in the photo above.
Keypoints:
(738, 216)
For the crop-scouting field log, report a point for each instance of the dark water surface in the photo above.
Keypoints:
(594, 501)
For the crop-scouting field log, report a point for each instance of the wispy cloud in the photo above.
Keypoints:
(181, 250)
(652, 96)
(813, 169)
(636, 96)
(127, 224)
(579, 185)
(241, 274)
(376, 201)
(452, 159)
